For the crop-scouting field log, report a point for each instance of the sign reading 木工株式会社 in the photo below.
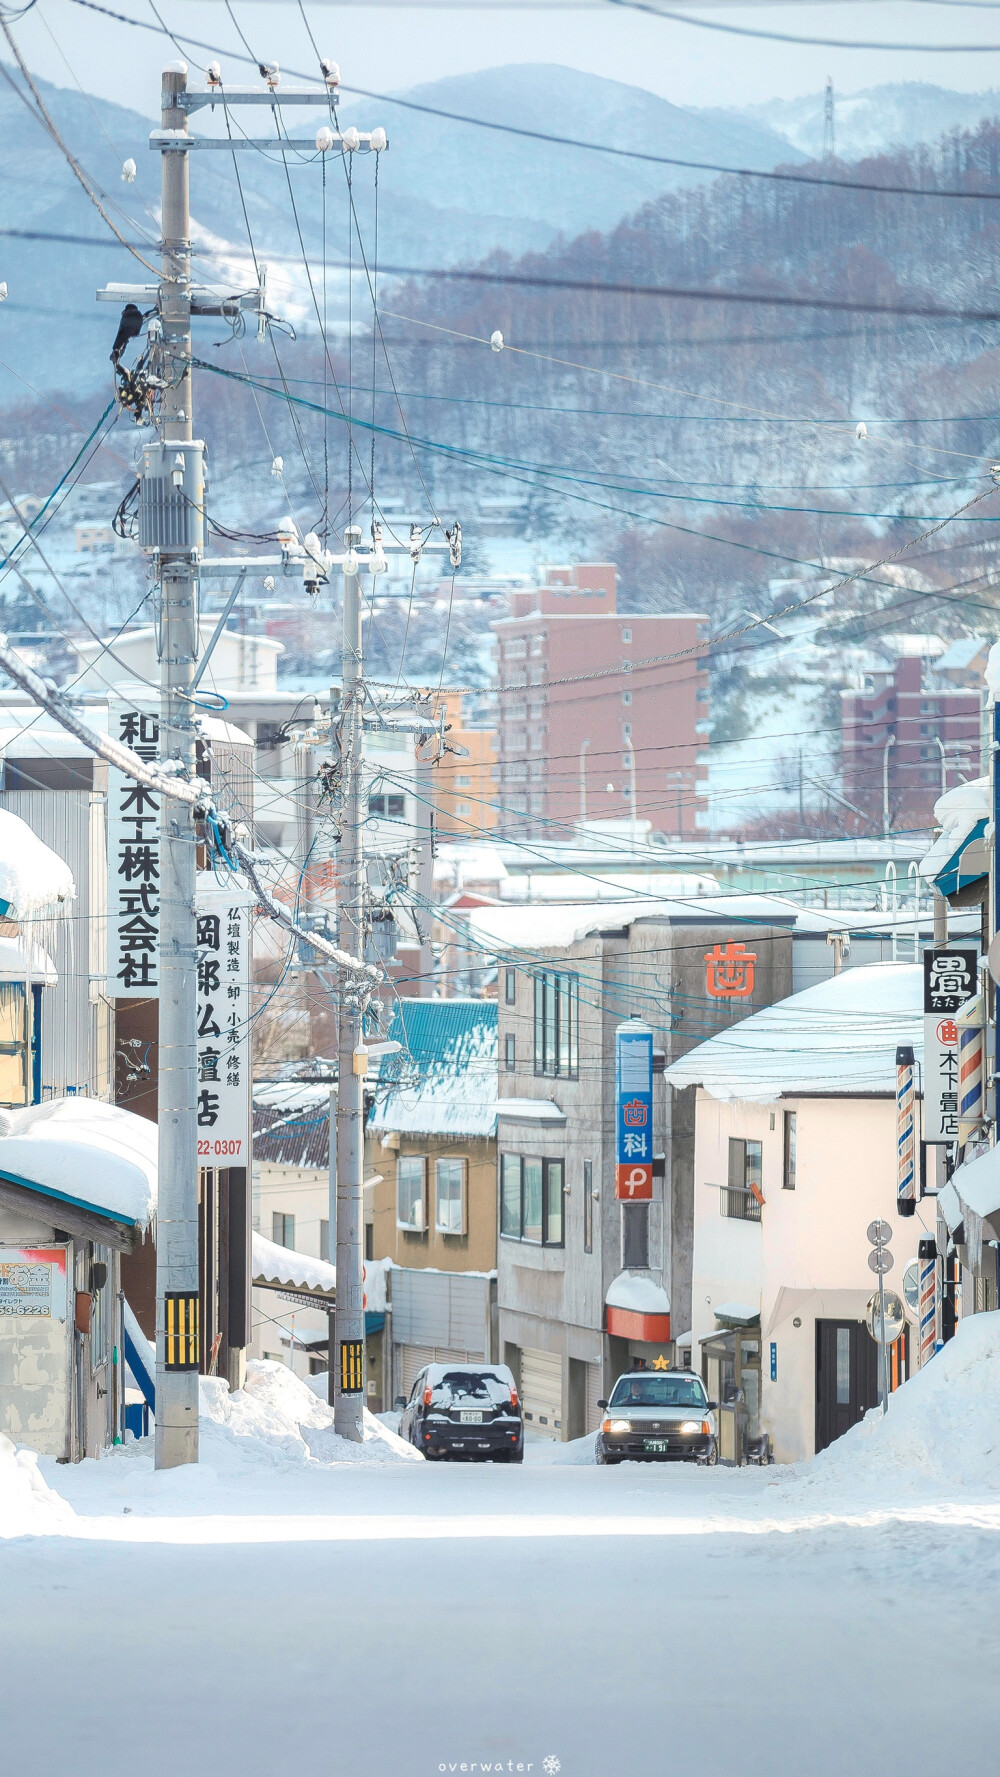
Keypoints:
(634, 1113)
(133, 859)
(223, 1025)
(950, 979)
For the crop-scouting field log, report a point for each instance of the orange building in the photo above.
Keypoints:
(466, 788)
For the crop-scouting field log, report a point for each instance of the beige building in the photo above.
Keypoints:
(466, 788)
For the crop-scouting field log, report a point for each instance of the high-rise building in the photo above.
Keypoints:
(908, 735)
(601, 713)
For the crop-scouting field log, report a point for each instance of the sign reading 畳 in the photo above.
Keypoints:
(634, 1112)
(133, 861)
(950, 979)
(223, 1026)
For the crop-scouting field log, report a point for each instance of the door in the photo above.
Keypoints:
(846, 1377)
(594, 1392)
(541, 1392)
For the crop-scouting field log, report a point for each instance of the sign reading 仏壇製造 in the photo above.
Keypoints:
(133, 860)
(634, 1113)
(223, 1027)
(950, 980)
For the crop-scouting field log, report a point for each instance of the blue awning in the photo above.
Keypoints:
(968, 862)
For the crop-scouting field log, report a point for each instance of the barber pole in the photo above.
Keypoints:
(906, 1173)
(927, 1299)
(971, 1048)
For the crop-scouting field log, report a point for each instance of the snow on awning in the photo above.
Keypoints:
(280, 1268)
(23, 961)
(977, 1187)
(950, 1207)
(91, 1156)
(959, 855)
(737, 1314)
(33, 880)
(636, 1308)
(531, 1110)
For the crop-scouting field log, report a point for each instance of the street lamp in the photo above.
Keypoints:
(885, 783)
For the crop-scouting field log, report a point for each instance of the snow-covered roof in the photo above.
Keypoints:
(33, 879)
(960, 653)
(444, 1080)
(959, 813)
(839, 1037)
(743, 1313)
(977, 1187)
(279, 1267)
(530, 1110)
(21, 960)
(950, 1207)
(577, 886)
(555, 927)
(214, 728)
(82, 1151)
(639, 1293)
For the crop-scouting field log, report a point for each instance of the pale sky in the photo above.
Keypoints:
(392, 47)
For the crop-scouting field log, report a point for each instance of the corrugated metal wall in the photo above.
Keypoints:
(441, 1308)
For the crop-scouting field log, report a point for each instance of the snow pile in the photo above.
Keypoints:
(33, 879)
(640, 1294)
(81, 1148)
(838, 1037)
(27, 1502)
(942, 1425)
(279, 1419)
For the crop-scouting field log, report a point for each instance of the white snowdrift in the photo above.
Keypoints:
(94, 1152)
(27, 1503)
(278, 1419)
(942, 1425)
(32, 878)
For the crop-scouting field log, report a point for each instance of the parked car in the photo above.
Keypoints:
(658, 1416)
(468, 1411)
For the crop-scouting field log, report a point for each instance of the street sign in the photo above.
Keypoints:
(224, 912)
(133, 817)
(910, 1284)
(634, 1112)
(886, 1319)
(880, 1260)
(949, 982)
(879, 1233)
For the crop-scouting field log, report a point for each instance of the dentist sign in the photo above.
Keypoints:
(634, 1112)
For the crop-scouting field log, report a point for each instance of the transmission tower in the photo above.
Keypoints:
(829, 136)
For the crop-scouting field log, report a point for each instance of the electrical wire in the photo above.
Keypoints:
(683, 18)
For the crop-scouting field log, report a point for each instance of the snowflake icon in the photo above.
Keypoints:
(551, 1765)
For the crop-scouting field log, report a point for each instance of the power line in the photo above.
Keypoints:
(683, 18)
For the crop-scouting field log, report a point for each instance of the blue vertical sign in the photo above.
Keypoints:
(774, 1361)
(634, 1112)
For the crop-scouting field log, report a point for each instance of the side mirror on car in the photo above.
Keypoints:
(399, 1403)
(602, 1405)
(712, 1406)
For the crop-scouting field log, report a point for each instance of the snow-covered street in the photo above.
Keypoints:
(278, 1611)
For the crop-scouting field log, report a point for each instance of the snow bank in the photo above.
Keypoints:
(942, 1425)
(27, 1502)
(279, 1419)
(33, 879)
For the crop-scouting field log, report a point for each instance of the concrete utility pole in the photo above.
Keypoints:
(177, 1331)
(347, 1380)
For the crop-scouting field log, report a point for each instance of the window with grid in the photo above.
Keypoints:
(588, 1206)
(531, 1199)
(449, 1196)
(557, 1025)
(411, 1208)
(282, 1228)
(741, 1196)
(788, 1151)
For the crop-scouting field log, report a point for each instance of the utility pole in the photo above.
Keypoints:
(177, 1330)
(347, 1378)
(829, 133)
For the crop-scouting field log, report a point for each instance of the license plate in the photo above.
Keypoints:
(467, 1417)
(657, 1446)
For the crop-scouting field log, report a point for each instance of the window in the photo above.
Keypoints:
(635, 1236)
(369, 1240)
(13, 1043)
(509, 1052)
(741, 1197)
(392, 807)
(411, 1209)
(324, 1241)
(510, 987)
(788, 1156)
(588, 1206)
(531, 1199)
(463, 782)
(626, 732)
(626, 697)
(626, 635)
(449, 1194)
(462, 808)
(282, 1229)
(557, 1025)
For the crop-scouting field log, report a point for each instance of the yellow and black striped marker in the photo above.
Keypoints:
(352, 1366)
(182, 1343)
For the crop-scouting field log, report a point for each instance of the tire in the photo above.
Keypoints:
(605, 1461)
(711, 1456)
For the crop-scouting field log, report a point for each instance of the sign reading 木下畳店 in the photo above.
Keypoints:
(223, 1028)
(634, 1113)
(949, 981)
(133, 860)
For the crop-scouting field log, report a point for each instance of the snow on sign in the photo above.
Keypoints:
(950, 979)
(634, 1112)
(223, 938)
(133, 861)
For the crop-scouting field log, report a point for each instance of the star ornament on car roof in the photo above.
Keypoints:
(660, 1363)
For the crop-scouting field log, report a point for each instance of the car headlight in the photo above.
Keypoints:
(691, 1427)
(616, 1427)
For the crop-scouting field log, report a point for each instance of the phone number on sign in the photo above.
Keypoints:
(219, 1148)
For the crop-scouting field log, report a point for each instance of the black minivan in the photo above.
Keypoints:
(464, 1411)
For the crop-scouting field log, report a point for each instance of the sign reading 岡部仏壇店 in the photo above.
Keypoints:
(950, 980)
(223, 1027)
(634, 1113)
(133, 859)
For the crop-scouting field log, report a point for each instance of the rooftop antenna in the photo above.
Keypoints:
(829, 140)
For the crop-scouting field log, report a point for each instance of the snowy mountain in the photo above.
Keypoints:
(880, 118)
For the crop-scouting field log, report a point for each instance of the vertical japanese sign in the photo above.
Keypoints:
(634, 1112)
(133, 861)
(223, 939)
(949, 981)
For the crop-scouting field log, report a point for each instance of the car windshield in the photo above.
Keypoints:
(658, 1391)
